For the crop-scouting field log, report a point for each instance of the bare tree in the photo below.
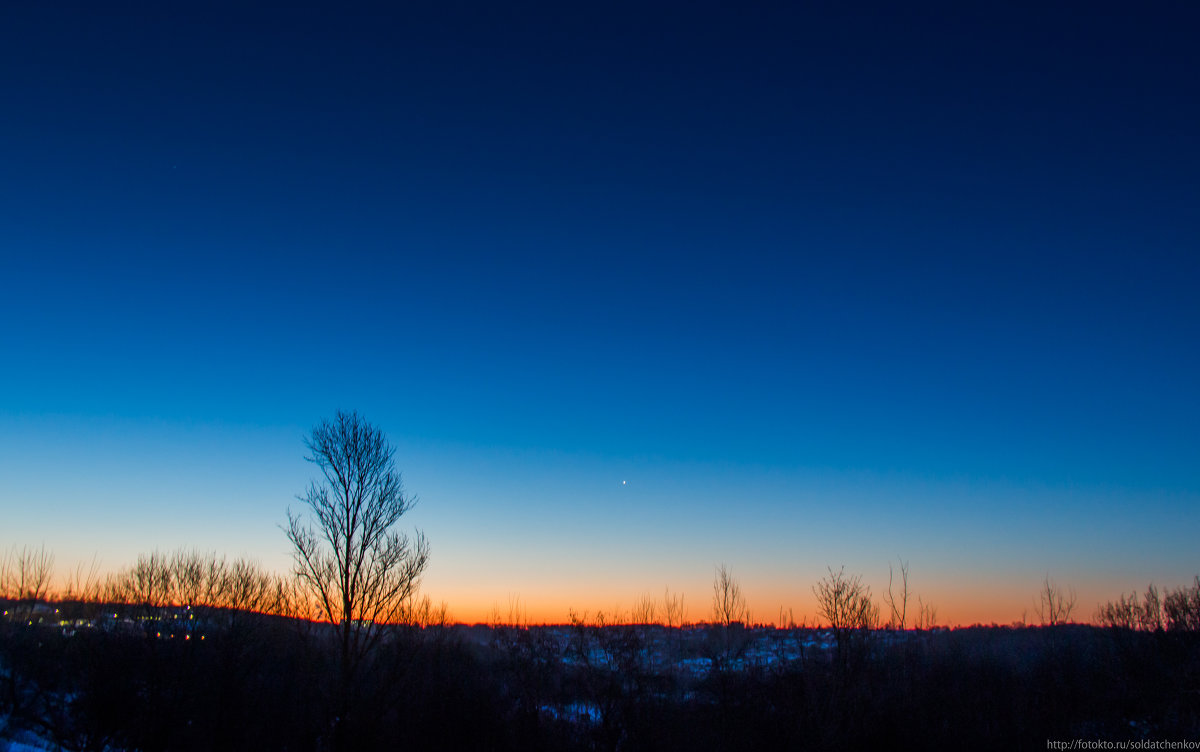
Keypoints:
(673, 609)
(247, 587)
(728, 638)
(25, 576)
(148, 584)
(674, 615)
(29, 578)
(1181, 608)
(518, 614)
(1055, 604)
(1130, 613)
(1150, 615)
(644, 610)
(359, 569)
(729, 605)
(899, 616)
(927, 615)
(85, 584)
(845, 602)
(1121, 614)
(188, 570)
(422, 613)
(1174, 610)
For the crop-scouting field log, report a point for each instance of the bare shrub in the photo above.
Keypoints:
(644, 610)
(1055, 604)
(85, 583)
(845, 602)
(30, 573)
(729, 605)
(898, 605)
(1121, 613)
(1176, 610)
(926, 615)
(148, 583)
(1182, 608)
(674, 609)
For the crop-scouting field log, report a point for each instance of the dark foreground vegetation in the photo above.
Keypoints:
(90, 676)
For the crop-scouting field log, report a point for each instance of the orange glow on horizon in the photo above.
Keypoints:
(979, 610)
(959, 602)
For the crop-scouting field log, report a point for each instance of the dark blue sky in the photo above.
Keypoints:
(943, 244)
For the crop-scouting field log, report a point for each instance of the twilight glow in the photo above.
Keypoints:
(634, 293)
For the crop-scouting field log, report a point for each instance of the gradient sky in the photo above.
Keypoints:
(634, 290)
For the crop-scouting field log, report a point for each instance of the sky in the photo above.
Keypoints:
(635, 290)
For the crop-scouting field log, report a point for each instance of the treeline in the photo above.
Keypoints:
(267, 682)
(190, 651)
(158, 582)
(1175, 610)
(155, 581)
(207, 580)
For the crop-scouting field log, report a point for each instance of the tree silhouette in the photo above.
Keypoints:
(898, 605)
(729, 619)
(27, 577)
(845, 602)
(729, 605)
(361, 571)
(1055, 604)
